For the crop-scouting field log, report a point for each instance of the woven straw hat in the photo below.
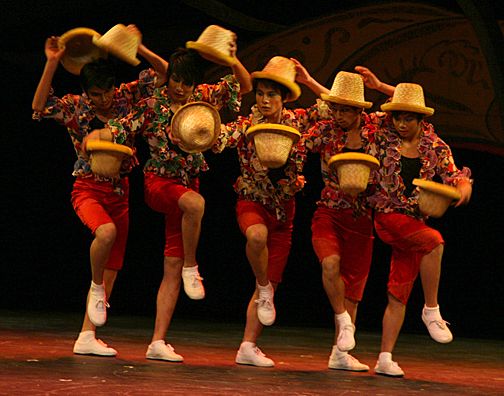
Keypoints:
(347, 89)
(283, 71)
(79, 49)
(120, 42)
(353, 170)
(215, 44)
(408, 97)
(197, 125)
(435, 198)
(273, 143)
(106, 157)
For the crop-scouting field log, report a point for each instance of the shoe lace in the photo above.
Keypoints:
(101, 304)
(441, 323)
(170, 347)
(258, 352)
(264, 302)
(195, 279)
(101, 343)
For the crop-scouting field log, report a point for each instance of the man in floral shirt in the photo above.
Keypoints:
(101, 203)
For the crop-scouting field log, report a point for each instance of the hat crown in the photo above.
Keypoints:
(348, 86)
(218, 38)
(281, 67)
(409, 94)
(121, 42)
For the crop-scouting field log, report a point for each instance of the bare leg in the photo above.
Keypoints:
(430, 274)
(101, 246)
(192, 205)
(257, 252)
(393, 319)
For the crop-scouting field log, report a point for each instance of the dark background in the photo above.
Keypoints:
(45, 247)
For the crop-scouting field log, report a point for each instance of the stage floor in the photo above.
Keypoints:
(36, 359)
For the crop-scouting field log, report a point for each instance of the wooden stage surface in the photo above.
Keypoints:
(36, 359)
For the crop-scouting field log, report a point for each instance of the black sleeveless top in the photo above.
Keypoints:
(410, 169)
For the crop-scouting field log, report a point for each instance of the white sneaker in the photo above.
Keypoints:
(437, 326)
(93, 346)
(159, 350)
(97, 305)
(251, 355)
(266, 312)
(388, 368)
(193, 286)
(346, 340)
(344, 361)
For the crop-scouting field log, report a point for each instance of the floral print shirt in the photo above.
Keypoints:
(77, 113)
(152, 116)
(435, 157)
(256, 183)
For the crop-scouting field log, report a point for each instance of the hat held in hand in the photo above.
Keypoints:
(197, 126)
(106, 157)
(216, 44)
(120, 42)
(273, 143)
(79, 49)
(353, 170)
(435, 198)
(347, 89)
(283, 71)
(408, 97)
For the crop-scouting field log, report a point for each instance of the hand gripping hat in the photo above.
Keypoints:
(197, 126)
(408, 97)
(353, 170)
(120, 42)
(106, 157)
(216, 44)
(283, 71)
(435, 198)
(347, 89)
(79, 49)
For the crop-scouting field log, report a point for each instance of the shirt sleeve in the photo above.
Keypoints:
(225, 93)
(139, 89)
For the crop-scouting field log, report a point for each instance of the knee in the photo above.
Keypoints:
(331, 267)
(106, 233)
(192, 204)
(257, 236)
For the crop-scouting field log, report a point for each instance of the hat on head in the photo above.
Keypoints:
(353, 170)
(120, 42)
(435, 198)
(197, 126)
(347, 89)
(79, 49)
(215, 44)
(107, 157)
(408, 97)
(283, 71)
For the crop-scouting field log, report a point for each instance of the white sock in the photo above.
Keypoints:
(247, 344)
(432, 312)
(154, 343)
(190, 269)
(87, 335)
(343, 318)
(385, 357)
(95, 288)
(265, 290)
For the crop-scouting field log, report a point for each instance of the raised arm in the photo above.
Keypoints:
(372, 82)
(303, 77)
(243, 77)
(53, 55)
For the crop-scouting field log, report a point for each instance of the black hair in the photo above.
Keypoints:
(187, 65)
(99, 73)
(397, 113)
(284, 91)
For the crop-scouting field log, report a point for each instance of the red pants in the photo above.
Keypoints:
(337, 232)
(96, 204)
(162, 195)
(279, 241)
(411, 239)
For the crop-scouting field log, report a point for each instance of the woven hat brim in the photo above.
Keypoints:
(295, 90)
(428, 111)
(101, 145)
(116, 51)
(74, 64)
(438, 188)
(348, 102)
(371, 161)
(211, 54)
(286, 130)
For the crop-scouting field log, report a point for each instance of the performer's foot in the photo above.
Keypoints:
(437, 327)
(87, 344)
(251, 355)
(345, 340)
(266, 312)
(97, 304)
(159, 350)
(385, 366)
(344, 361)
(193, 286)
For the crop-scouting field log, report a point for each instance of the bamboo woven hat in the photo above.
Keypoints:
(283, 71)
(353, 170)
(408, 97)
(435, 198)
(347, 89)
(216, 44)
(79, 49)
(197, 126)
(107, 157)
(120, 42)
(273, 143)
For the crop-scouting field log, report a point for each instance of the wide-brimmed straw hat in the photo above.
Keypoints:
(347, 89)
(273, 143)
(197, 126)
(435, 198)
(79, 49)
(106, 157)
(283, 71)
(215, 44)
(353, 170)
(408, 97)
(120, 42)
